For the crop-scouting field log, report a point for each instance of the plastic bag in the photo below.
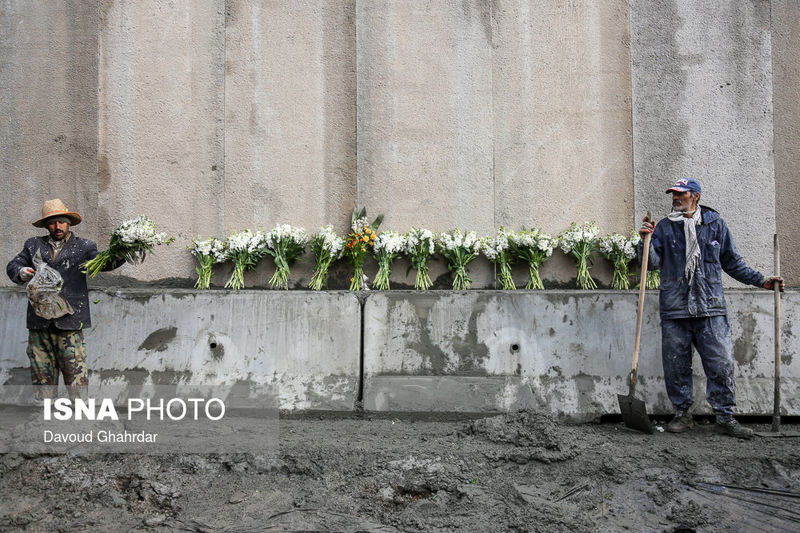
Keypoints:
(44, 291)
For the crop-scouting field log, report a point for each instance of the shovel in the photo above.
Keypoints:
(634, 412)
(776, 408)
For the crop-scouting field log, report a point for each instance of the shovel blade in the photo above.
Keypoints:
(634, 413)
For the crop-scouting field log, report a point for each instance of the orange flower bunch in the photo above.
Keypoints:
(363, 239)
(359, 241)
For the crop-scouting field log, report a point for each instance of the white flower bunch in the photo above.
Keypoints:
(576, 236)
(534, 247)
(245, 241)
(132, 241)
(207, 252)
(390, 242)
(245, 248)
(420, 246)
(456, 239)
(617, 244)
(212, 247)
(419, 240)
(459, 250)
(620, 251)
(387, 247)
(285, 244)
(580, 241)
(284, 232)
(329, 241)
(140, 230)
(327, 247)
(498, 250)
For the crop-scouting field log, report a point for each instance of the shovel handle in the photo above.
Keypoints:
(640, 308)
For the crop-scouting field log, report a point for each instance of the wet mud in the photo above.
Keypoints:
(515, 472)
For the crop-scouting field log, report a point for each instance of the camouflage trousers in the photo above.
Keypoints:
(52, 351)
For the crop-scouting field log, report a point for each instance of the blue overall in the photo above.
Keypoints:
(697, 314)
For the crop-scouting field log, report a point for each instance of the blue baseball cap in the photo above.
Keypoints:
(686, 184)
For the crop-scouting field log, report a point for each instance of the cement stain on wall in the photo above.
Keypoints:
(159, 340)
(469, 353)
(744, 348)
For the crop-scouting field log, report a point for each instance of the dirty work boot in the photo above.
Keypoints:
(682, 421)
(731, 427)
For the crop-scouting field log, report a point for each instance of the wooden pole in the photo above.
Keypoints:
(776, 409)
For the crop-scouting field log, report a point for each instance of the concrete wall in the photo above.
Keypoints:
(161, 124)
(48, 104)
(217, 115)
(565, 352)
(786, 98)
(702, 108)
(304, 345)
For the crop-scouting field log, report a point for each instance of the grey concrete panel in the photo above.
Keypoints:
(786, 96)
(290, 114)
(425, 113)
(702, 108)
(567, 352)
(48, 104)
(562, 117)
(161, 125)
(305, 345)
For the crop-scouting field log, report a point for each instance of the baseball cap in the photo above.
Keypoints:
(685, 184)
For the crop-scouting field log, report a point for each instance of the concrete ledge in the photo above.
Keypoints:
(304, 344)
(567, 352)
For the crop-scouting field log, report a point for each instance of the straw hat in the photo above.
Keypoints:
(56, 208)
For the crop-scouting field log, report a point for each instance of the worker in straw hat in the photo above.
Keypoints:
(55, 341)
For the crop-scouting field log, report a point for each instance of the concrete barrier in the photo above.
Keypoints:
(304, 344)
(567, 352)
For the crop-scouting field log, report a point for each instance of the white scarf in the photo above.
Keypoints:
(692, 246)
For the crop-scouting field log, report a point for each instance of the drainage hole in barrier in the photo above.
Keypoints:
(514, 347)
(212, 345)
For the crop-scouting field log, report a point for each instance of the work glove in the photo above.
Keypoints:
(25, 273)
(769, 283)
(647, 227)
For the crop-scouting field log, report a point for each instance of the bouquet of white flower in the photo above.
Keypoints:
(580, 241)
(359, 241)
(420, 247)
(285, 244)
(131, 241)
(534, 247)
(208, 253)
(620, 251)
(498, 250)
(387, 247)
(327, 247)
(246, 249)
(459, 249)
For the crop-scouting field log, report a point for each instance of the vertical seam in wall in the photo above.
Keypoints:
(491, 105)
(355, 97)
(772, 109)
(98, 120)
(223, 205)
(360, 398)
(494, 132)
(630, 79)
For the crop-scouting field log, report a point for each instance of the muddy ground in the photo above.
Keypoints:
(516, 472)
